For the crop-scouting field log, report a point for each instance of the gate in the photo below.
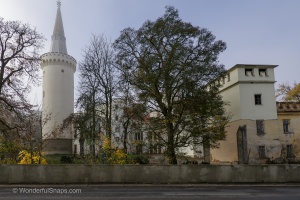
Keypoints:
(242, 145)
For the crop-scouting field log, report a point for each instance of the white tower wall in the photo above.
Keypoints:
(58, 92)
(239, 90)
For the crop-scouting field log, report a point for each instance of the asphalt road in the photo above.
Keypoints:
(147, 192)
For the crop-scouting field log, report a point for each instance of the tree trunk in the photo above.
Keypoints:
(94, 127)
(125, 131)
(170, 146)
(171, 154)
(81, 144)
(125, 141)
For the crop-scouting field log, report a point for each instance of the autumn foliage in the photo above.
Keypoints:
(31, 158)
(288, 92)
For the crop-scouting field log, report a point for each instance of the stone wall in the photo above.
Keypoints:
(152, 174)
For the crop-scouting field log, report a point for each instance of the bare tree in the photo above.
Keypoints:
(132, 116)
(87, 120)
(19, 66)
(98, 80)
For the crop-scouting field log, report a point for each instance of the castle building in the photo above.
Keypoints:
(58, 92)
(260, 129)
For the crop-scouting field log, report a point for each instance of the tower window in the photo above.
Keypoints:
(257, 99)
(262, 152)
(249, 71)
(260, 127)
(286, 125)
(262, 72)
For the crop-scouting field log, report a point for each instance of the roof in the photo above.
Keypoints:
(288, 106)
(58, 43)
(251, 66)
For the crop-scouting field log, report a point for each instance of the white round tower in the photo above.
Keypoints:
(58, 93)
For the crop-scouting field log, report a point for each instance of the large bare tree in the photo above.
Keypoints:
(19, 67)
(98, 81)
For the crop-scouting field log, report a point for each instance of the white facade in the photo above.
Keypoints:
(58, 92)
(242, 86)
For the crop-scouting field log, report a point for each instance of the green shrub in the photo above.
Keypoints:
(66, 160)
(8, 161)
(141, 159)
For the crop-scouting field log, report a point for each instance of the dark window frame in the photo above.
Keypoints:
(286, 125)
(289, 151)
(262, 151)
(260, 127)
(257, 99)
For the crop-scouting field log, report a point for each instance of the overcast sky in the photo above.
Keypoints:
(256, 31)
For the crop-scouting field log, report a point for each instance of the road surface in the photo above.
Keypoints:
(147, 192)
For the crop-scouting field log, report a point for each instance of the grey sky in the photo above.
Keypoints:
(256, 31)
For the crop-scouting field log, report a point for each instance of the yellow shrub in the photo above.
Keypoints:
(115, 156)
(118, 157)
(34, 158)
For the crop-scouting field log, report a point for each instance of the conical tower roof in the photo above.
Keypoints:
(58, 43)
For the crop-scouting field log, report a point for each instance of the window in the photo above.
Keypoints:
(223, 80)
(44, 94)
(262, 152)
(286, 125)
(117, 129)
(228, 77)
(289, 150)
(139, 136)
(257, 99)
(116, 107)
(262, 72)
(117, 118)
(249, 71)
(260, 127)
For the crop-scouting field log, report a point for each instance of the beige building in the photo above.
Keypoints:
(260, 129)
(289, 128)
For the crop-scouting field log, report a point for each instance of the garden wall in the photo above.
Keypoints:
(152, 174)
